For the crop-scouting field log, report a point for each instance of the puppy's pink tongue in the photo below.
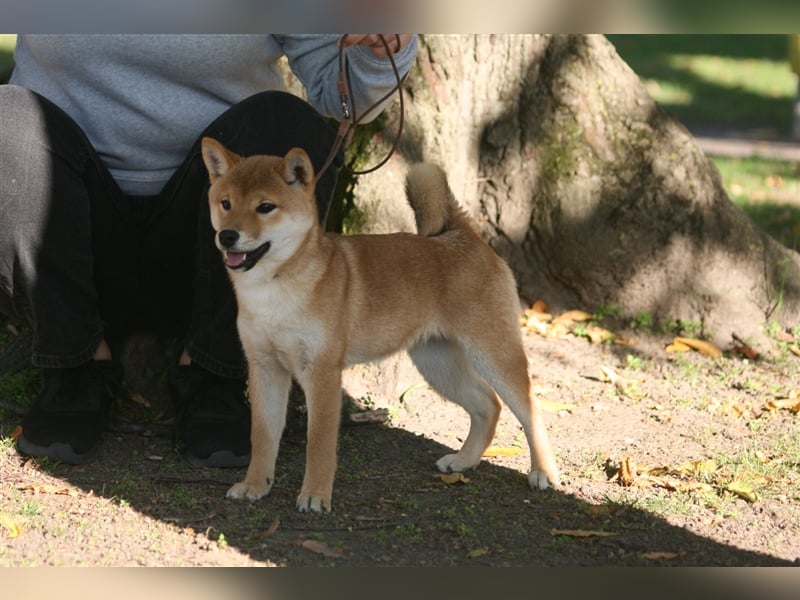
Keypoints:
(234, 259)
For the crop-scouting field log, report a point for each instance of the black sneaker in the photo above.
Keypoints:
(68, 416)
(213, 417)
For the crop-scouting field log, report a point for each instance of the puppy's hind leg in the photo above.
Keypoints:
(505, 368)
(445, 366)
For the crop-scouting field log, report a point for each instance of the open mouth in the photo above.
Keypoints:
(244, 261)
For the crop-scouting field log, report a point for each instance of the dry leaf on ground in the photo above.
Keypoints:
(11, 528)
(573, 316)
(743, 490)
(556, 406)
(703, 347)
(597, 335)
(627, 472)
(540, 306)
(48, 488)
(452, 478)
(270, 530)
(15, 433)
(582, 533)
(611, 375)
(319, 547)
(790, 404)
(662, 555)
(677, 347)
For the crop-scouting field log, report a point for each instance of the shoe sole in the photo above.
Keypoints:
(58, 451)
(221, 459)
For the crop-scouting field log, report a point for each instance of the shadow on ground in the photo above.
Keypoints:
(390, 509)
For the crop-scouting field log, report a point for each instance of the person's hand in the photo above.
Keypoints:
(395, 41)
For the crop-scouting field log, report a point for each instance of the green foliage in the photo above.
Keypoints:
(726, 80)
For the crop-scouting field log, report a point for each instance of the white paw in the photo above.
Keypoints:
(313, 503)
(538, 480)
(243, 490)
(453, 463)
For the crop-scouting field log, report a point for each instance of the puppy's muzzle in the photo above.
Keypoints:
(235, 260)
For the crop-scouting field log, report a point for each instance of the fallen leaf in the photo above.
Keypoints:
(703, 347)
(572, 316)
(598, 335)
(48, 488)
(581, 533)
(790, 404)
(498, 451)
(319, 547)
(746, 351)
(795, 350)
(611, 375)
(270, 530)
(743, 490)
(452, 478)
(662, 555)
(478, 552)
(693, 486)
(728, 408)
(677, 347)
(536, 324)
(558, 330)
(139, 399)
(15, 433)
(540, 306)
(708, 465)
(556, 406)
(12, 528)
(627, 472)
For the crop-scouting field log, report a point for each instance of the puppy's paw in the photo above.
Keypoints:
(454, 463)
(244, 490)
(539, 480)
(309, 502)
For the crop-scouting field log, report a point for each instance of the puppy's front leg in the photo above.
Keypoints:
(268, 390)
(323, 389)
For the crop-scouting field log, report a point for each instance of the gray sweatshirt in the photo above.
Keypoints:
(143, 100)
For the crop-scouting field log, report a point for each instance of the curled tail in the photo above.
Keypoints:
(435, 208)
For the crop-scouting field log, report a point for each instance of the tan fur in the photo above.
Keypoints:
(317, 302)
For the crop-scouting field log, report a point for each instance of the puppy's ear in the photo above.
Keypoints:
(217, 158)
(296, 168)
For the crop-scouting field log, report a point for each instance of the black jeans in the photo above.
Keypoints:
(81, 261)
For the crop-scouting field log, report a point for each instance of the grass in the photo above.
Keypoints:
(733, 82)
(741, 81)
(769, 191)
(7, 43)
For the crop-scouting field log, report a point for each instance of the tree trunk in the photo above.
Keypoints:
(592, 193)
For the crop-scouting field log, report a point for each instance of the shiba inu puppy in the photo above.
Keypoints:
(311, 303)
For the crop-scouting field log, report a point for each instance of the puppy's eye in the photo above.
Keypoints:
(226, 204)
(265, 208)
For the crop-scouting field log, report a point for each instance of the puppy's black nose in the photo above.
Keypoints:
(228, 237)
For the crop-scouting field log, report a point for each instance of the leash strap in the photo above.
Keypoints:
(349, 115)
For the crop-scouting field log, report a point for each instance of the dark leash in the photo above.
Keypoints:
(350, 117)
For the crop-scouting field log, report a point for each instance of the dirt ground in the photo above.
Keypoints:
(667, 458)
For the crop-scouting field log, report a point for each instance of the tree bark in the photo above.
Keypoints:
(593, 194)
